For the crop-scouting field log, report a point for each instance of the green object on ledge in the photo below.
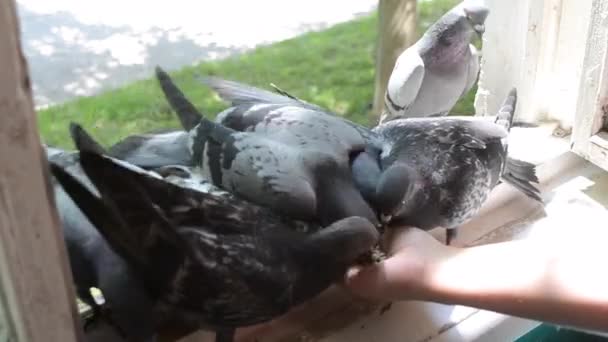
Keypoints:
(551, 333)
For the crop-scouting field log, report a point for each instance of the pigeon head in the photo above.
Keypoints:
(476, 13)
(455, 29)
(337, 194)
(395, 189)
(353, 236)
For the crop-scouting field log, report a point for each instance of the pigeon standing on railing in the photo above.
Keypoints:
(390, 185)
(254, 109)
(430, 76)
(452, 164)
(296, 162)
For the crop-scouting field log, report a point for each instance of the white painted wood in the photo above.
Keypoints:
(592, 103)
(540, 47)
(566, 62)
(405, 321)
(35, 283)
(511, 46)
(487, 326)
(555, 53)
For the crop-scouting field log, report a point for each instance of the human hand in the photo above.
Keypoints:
(413, 253)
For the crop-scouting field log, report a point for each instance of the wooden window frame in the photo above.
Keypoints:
(588, 140)
(36, 292)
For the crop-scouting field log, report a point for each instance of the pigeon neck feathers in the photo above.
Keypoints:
(452, 48)
(447, 41)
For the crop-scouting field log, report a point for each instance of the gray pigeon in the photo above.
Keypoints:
(296, 162)
(430, 76)
(214, 263)
(385, 187)
(159, 148)
(452, 164)
(154, 149)
(252, 107)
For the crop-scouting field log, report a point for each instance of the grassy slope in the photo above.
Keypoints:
(333, 68)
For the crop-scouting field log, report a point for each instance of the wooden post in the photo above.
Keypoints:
(396, 32)
(36, 291)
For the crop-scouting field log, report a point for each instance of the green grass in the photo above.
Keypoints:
(333, 68)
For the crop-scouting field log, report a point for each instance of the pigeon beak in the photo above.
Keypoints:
(385, 219)
(450, 235)
(480, 29)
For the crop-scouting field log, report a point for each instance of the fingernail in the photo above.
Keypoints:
(353, 272)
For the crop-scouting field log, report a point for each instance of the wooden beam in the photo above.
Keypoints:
(396, 32)
(36, 290)
(592, 102)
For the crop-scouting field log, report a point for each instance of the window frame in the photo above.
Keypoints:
(588, 140)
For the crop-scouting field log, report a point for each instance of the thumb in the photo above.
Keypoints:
(392, 279)
(372, 282)
(367, 281)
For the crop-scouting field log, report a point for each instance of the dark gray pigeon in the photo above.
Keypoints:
(452, 165)
(95, 264)
(212, 262)
(296, 162)
(430, 76)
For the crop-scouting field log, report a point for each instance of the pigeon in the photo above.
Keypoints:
(152, 150)
(296, 162)
(212, 262)
(94, 264)
(251, 106)
(430, 76)
(386, 185)
(452, 164)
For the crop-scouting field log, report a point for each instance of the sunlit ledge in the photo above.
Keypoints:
(572, 189)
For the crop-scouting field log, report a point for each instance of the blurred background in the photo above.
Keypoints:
(92, 61)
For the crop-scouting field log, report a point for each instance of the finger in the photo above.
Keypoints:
(387, 280)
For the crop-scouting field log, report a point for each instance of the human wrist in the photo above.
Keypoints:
(428, 284)
(485, 273)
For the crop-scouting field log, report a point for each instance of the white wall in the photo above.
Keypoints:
(537, 46)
